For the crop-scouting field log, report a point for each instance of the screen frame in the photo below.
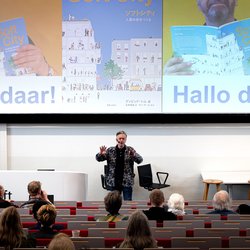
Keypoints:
(116, 118)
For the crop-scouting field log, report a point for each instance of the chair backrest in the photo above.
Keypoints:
(231, 248)
(66, 218)
(167, 232)
(87, 224)
(238, 217)
(242, 224)
(24, 248)
(204, 217)
(91, 211)
(188, 224)
(201, 242)
(65, 203)
(63, 211)
(173, 248)
(145, 175)
(107, 232)
(236, 241)
(216, 232)
(124, 223)
(27, 218)
(87, 242)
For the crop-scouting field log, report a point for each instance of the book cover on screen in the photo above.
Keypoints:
(219, 51)
(112, 58)
(12, 35)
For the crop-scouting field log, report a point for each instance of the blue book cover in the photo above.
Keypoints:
(214, 50)
(13, 35)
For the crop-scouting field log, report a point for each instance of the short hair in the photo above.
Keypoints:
(34, 187)
(121, 132)
(61, 241)
(2, 191)
(113, 202)
(46, 215)
(176, 201)
(156, 197)
(222, 200)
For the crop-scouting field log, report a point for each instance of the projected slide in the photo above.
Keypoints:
(124, 57)
(206, 59)
(109, 54)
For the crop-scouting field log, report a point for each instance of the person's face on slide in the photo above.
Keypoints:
(217, 11)
(121, 140)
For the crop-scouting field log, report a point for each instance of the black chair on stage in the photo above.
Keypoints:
(146, 178)
(104, 178)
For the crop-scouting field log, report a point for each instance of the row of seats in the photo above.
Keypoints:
(204, 243)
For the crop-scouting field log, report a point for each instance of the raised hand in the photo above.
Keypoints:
(103, 150)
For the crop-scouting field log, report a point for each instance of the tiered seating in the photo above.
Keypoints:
(195, 229)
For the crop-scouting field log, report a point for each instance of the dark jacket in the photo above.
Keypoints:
(159, 214)
(222, 212)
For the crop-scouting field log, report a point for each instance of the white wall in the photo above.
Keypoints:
(182, 150)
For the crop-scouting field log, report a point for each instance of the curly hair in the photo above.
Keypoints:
(46, 215)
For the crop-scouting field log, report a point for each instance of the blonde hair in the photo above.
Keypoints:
(46, 215)
(176, 201)
(61, 241)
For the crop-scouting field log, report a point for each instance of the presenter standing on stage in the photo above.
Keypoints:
(120, 162)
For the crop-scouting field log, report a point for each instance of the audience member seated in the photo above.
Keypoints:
(35, 194)
(222, 203)
(46, 216)
(4, 203)
(176, 204)
(157, 211)
(243, 209)
(35, 208)
(61, 242)
(11, 231)
(138, 233)
(113, 203)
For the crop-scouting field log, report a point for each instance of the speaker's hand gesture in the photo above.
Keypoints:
(103, 150)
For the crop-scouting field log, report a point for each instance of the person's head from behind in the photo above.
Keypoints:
(222, 200)
(113, 202)
(2, 191)
(217, 12)
(36, 207)
(61, 241)
(46, 215)
(176, 201)
(121, 138)
(138, 225)
(34, 188)
(243, 209)
(11, 232)
(156, 198)
(138, 233)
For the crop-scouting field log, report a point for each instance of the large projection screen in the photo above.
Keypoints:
(111, 61)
